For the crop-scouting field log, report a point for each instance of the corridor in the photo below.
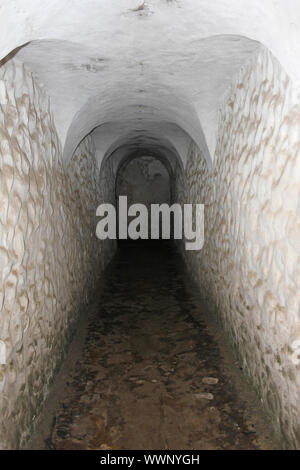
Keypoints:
(130, 119)
(152, 372)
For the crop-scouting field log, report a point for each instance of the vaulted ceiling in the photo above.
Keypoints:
(144, 74)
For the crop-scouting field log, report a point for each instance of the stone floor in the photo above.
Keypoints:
(147, 370)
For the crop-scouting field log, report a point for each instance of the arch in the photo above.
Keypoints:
(121, 154)
(89, 89)
(132, 144)
(137, 155)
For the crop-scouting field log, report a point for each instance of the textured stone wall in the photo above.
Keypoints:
(248, 269)
(106, 184)
(49, 255)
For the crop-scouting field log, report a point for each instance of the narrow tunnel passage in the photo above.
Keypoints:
(210, 90)
(150, 374)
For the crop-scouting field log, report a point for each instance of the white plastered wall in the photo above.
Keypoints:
(248, 269)
(49, 256)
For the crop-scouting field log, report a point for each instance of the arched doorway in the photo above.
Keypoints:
(144, 180)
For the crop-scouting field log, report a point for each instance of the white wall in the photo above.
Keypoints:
(49, 255)
(248, 269)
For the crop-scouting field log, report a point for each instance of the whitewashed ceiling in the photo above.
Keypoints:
(144, 71)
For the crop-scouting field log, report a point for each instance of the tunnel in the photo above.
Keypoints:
(144, 344)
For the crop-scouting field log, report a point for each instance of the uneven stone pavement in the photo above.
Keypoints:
(148, 371)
